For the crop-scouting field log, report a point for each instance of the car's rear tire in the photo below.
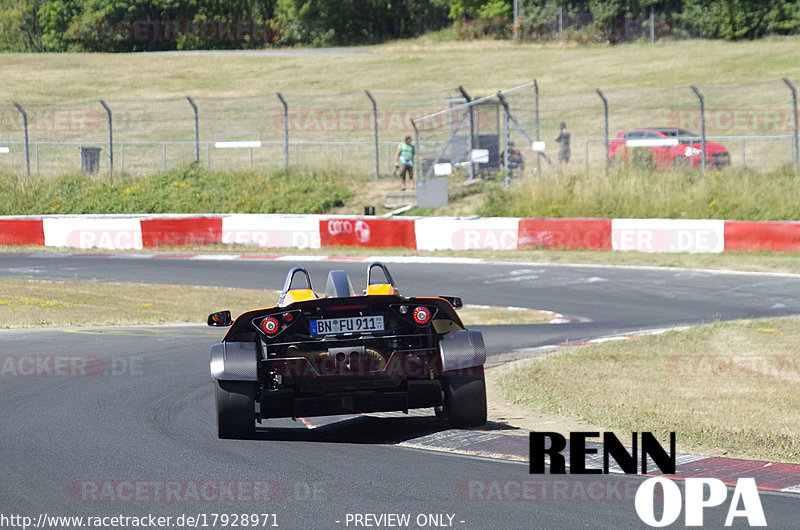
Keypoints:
(236, 416)
(465, 397)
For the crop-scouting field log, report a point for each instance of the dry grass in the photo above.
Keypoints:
(436, 65)
(730, 388)
(29, 303)
(480, 315)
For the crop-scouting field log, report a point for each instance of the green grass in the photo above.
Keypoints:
(731, 388)
(190, 190)
(727, 194)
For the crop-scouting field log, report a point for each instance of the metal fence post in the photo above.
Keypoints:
(652, 25)
(702, 125)
(506, 170)
(375, 128)
(27, 149)
(196, 130)
(605, 125)
(470, 145)
(110, 140)
(285, 130)
(416, 148)
(536, 98)
(795, 142)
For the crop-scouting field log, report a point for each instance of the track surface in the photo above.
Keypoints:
(149, 416)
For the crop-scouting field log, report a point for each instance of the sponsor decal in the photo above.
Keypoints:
(358, 227)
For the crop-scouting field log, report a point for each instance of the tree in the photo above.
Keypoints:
(739, 19)
(347, 22)
(20, 30)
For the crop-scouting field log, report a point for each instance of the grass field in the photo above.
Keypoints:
(729, 388)
(645, 85)
(57, 304)
(414, 66)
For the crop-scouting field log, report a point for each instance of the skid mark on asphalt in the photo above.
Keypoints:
(539, 278)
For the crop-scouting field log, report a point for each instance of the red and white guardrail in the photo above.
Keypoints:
(125, 232)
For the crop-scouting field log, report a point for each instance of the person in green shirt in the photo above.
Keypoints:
(404, 161)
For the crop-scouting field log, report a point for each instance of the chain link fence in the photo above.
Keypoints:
(360, 131)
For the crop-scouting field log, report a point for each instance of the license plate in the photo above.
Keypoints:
(327, 326)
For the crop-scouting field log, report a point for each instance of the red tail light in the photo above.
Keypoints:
(422, 315)
(270, 326)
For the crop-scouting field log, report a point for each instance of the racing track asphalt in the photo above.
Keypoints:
(152, 419)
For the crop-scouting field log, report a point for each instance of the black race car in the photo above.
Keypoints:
(344, 353)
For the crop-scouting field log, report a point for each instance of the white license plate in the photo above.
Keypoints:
(327, 326)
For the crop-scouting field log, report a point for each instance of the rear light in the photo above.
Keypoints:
(422, 315)
(270, 326)
(288, 317)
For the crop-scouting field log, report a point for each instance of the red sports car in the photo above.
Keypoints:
(665, 148)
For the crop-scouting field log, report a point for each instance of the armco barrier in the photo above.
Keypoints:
(453, 233)
(21, 232)
(593, 234)
(105, 232)
(777, 236)
(367, 232)
(181, 231)
(668, 235)
(127, 232)
(271, 231)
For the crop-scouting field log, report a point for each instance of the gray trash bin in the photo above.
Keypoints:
(90, 159)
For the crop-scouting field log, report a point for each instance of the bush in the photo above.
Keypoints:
(628, 192)
(189, 190)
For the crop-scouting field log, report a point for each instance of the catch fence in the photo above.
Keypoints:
(360, 131)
